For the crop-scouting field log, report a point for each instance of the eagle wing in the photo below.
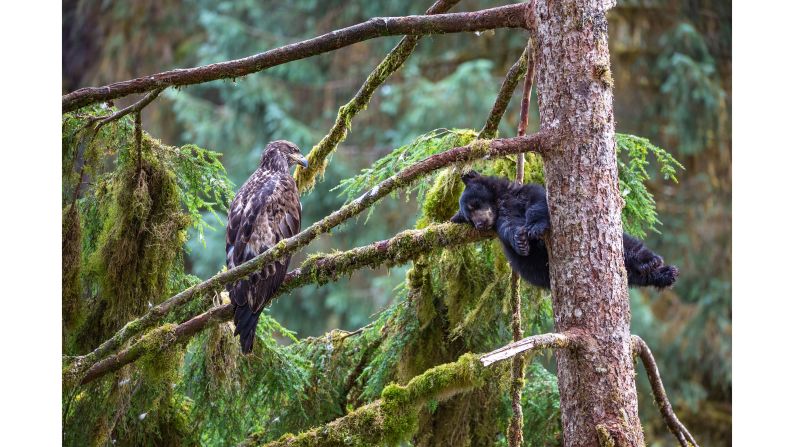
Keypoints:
(266, 210)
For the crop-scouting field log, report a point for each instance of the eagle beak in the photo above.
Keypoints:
(300, 159)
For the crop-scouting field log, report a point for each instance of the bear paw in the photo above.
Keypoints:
(650, 264)
(536, 230)
(665, 276)
(521, 242)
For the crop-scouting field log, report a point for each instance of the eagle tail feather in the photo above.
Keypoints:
(245, 326)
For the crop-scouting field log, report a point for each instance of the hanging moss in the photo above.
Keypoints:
(141, 238)
(122, 253)
(221, 353)
(441, 200)
(70, 264)
(158, 416)
(318, 157)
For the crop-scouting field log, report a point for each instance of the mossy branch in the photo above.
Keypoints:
(641, 349)
(515, 434)
(318, 157)
(478, 149)
(99, 121)
(318, 269)
(516, 72)
(394, 417)
(510, 16)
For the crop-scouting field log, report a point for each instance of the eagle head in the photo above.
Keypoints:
(281, 155)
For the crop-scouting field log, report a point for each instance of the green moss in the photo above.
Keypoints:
(123, 237)
(394, 419)
(479, 148)
(441, 200)
(162, 357)
(506, 167)
(605, 439)
(70, 262)
(419, 285)
(140, 242)
(318, 156)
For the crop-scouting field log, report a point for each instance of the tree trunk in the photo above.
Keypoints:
(590, 298)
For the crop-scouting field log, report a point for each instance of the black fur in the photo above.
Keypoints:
(520, 216)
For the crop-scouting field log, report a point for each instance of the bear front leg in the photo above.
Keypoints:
(644, 267)
(512, 232)
(638, 257)
(537, 220)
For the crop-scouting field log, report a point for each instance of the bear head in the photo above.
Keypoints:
(477, 203)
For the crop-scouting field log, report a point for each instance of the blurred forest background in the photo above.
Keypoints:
(671, 63)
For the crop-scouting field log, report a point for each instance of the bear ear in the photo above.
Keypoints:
(469, 176)
(458, 218)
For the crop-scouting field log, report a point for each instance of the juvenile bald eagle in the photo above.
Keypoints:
(266, 210)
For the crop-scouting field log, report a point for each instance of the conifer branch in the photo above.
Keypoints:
(515, 434)
(305, 177)
(510, 16)
(393, 417)
(641, 349)
(478, 149)
(318, 269)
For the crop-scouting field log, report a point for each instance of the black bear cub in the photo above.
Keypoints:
(520, 216)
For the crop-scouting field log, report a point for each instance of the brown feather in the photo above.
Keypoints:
(265, 211)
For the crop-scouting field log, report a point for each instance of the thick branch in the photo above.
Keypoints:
(318, 269)
(474, 151)
(673, 424)
(511, 16)
(305, 178)
(531, 343)
(392, 418)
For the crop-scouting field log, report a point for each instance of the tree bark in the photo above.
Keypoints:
(598, 396)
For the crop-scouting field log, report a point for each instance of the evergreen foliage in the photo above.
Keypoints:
(123, 241)
(449, 302)
(693, 97)
(136, 220)
(639, 212)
